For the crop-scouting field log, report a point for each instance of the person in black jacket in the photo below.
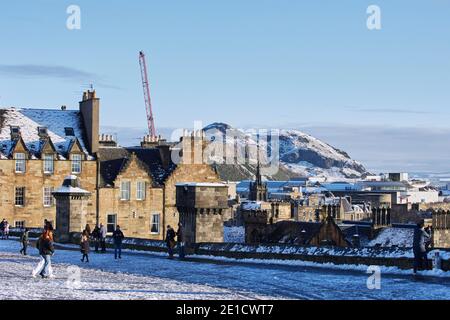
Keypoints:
(180, 240)
(96, 237)
(46, 250)
(117, 239)
(170, 240)
(24, 240)
(421, 237)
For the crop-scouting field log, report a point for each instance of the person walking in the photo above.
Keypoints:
(24, 241)
(2, 228)
(46, 250)
(6, 230)
(48, 225)
(421, 237)
(180, 240)
(84, 245)
(117, 240)
(96, 237)
(170, 240)
(102, 235)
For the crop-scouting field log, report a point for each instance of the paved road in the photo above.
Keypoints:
(147, 276)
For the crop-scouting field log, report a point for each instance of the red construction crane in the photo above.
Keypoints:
(148, 101)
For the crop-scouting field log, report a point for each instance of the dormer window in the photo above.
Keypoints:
(48, 163)
(20, 162)
(69, 132)
(76, 163)
(42, 132)
(15, 132)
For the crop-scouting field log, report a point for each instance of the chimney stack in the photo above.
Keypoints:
(90, 112)
(165, 154)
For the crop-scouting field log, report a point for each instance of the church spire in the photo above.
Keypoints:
(258, 169)
(258, 189)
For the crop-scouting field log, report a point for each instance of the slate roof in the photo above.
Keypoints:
(115, 159)
(363, 230)
(292, 232)
(29, 120)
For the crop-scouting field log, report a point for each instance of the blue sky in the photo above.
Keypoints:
(308, 65)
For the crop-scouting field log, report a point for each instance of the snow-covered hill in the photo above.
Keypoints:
(301, 155)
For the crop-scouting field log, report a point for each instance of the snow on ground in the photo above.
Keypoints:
(104, 278)
(401, 237)
(152, 276)
(234, 234)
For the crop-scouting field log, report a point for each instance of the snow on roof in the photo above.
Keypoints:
(401, 237)
(29, 120)
(251, 205)
(200, 184)
(70, 189)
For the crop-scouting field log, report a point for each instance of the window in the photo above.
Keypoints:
(125, 190)
(154, 226)
(140, 190)
(111, 223)
(76, 163)
(20, 162)
(42, 131)
(69, 131)
(19, 224)
(48, 163)
(20, 196)
(15, 130)
(48, 197)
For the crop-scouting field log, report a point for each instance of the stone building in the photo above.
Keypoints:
(441, 229)
(137, 187)
(133, 187)
(71, 209)
(323, 232)
(38, 149)
(202, 207)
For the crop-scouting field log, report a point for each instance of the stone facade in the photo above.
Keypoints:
(71, 209)
(258, 229)
(135, 214)
(38, 149)
(201, 207)
(34, 180)
(183, 173)
(441, 229)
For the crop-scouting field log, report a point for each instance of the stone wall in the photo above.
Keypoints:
(432, 206)
(306, 213)
(441, 229)
(184, 173)
(34, 180)
(392, 257)
(209, 227)
(201, 210)
(134, 216)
